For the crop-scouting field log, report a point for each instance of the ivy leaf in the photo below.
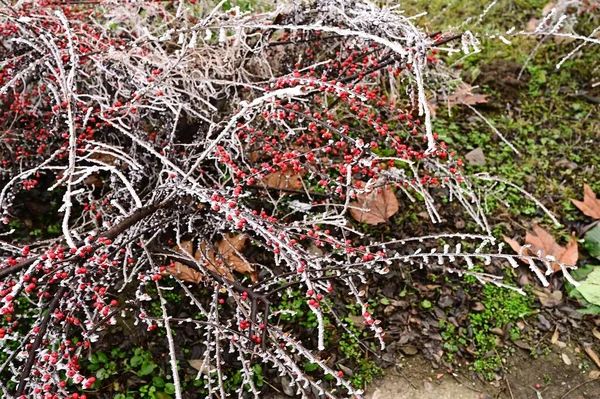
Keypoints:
(590, 206)
(375, 206)
(542, 244)
(592, 242)
(590, 287)
(169, 388)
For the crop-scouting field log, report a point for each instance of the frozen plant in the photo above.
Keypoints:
(173, 134)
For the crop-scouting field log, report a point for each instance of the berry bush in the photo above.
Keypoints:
(228, 155)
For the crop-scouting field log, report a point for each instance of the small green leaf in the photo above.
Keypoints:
(136, 361)
(158, 382)
(102, 357)
(169, 388)
(308, 366)
(384, 301)
(590, 287)
(592, 242)
(147, 368)
(425, 304)
(102, 374)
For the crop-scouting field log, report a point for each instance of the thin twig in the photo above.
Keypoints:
(509, 389)
(578, 386)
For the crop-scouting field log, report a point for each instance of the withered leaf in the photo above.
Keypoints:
(547, 8)
(223, 264)
(543, 244)
(287, 180)
(532, 24)
(464, 95)
(93, 180)
(590, 206)
(200, 365)
(590, 352)
(105, 158)
(183, 272)
(227, 259)
(375, 206)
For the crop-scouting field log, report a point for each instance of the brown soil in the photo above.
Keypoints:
(557, 380)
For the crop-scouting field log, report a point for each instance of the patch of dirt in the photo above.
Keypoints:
(417, 380)
(502, 77)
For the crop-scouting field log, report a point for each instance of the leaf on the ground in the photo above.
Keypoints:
(547, 8)
(183, 272)
(549, 299)
(592, 242)
(594, 374)
(287, 180)
(566, 359)
(596, 333)
(590, 352)
(93, 180)
(105, 158)
(542, 244)
(476, 157)
(227, 259)
(590, 287)
(590, 206)
(554, 338)
(464, 95)
(200, 365)
(375, 206)
(532, 25)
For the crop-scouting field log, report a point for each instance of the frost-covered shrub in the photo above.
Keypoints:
(174, 134)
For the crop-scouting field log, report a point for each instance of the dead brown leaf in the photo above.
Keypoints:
(532, 25)
(376, 206)
(223, 264)
(548, 298)
(287, 180)
(105, 158)
(183, 272)
(590, 352)
(93, 180)
(554, 339)
(590, 206)
(227, 260)
(547, 8)
(464, 95)
(543, 244)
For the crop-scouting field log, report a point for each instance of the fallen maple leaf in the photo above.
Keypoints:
(183, 272)
(542, 244)
(463, 94)
(227, 259)
(286, 179)
(223, 263)
(590, 206)
(374, 207)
